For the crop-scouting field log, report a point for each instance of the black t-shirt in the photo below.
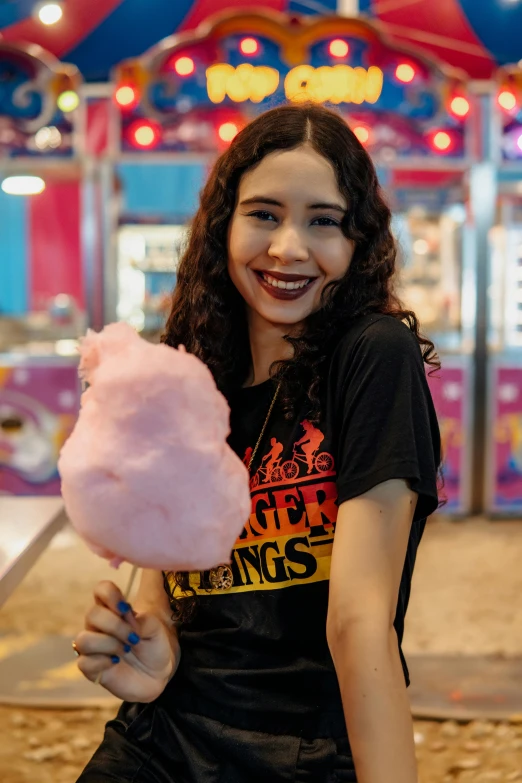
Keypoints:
(255, 654)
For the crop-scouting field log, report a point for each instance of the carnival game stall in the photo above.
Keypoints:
(41, 276)
(504, 474)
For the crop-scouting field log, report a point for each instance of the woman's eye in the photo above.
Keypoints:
(261, 215)
(325, 221)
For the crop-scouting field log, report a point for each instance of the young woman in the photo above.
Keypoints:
(262, 669)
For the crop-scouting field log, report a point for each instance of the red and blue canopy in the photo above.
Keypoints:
(475, 35)
(95, 35)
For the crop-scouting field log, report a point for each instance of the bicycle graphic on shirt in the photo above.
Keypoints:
(305, 451)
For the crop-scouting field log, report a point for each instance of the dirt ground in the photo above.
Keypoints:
(465, 599)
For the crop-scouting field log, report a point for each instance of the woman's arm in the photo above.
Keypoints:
(368, 557)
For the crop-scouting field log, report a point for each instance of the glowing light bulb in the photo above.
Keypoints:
(249, 46)
(23, 186)
(442, 141)
(338, 48)
(460, 106)
(184, 66)
(48, 138)
(507, 100)
(50, 13)
(362, 133)
(405, 73)
(126, 96)
(421, 247)
(227, 131)
(145, 134)
(68, 101)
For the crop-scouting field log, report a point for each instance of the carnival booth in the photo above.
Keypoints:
(183, 101)
(479, 37)
(41, 274)
(504, 485)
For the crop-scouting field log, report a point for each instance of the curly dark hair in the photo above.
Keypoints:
(208, 315)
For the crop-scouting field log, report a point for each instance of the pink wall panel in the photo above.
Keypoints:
(55, 248)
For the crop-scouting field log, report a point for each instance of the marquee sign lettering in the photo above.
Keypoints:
(244, 83)
(337, 84)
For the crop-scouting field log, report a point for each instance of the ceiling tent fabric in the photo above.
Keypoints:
(202, 9)
(475, 35)
(498, 24)
(132, 28)
(95, 35)
(12, 12)
(83, 16)
(440, 27)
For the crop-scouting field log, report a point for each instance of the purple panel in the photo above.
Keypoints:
(38, 409)
(507, 439)
(449, 390)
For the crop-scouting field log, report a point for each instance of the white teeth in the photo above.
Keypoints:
(282, 284)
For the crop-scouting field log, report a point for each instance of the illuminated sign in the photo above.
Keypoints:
(335, 84)
(244, 83)
(200, 89)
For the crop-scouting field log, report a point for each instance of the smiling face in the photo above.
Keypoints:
(285, 241)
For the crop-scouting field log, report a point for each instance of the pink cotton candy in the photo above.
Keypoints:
(147, 474)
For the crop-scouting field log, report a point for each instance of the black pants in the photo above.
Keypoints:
(145, 744)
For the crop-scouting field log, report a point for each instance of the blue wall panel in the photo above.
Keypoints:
(161, 190)
(14, 255)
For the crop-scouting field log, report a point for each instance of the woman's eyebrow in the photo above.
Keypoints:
(262, 200)
(322, 205)
(275, 203)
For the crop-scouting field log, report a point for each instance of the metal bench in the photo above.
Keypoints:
(27, 526)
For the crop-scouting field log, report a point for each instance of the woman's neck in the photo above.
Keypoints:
(267, 346)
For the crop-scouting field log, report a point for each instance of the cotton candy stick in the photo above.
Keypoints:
(126, 595)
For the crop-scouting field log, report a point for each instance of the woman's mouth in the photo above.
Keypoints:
(284, 289)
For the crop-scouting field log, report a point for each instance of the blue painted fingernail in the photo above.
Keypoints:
(127, 648)
(133, 638)
(123, 607)
(115, 659)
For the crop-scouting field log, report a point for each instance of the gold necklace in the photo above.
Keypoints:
(221, 577)
(251, 460)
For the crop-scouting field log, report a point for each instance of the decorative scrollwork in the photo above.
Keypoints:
(31, 81)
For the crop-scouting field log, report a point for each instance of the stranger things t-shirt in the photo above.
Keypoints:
(255, 655)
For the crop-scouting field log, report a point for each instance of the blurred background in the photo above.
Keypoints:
(111, 113)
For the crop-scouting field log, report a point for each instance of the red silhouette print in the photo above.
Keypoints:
(309, 443)
(320, 462)
(305, 451)
(248, 455)
(273, 457)
(271, 470)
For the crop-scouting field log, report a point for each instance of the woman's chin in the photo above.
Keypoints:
(282, 316)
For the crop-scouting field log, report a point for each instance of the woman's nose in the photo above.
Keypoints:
(288, 245)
